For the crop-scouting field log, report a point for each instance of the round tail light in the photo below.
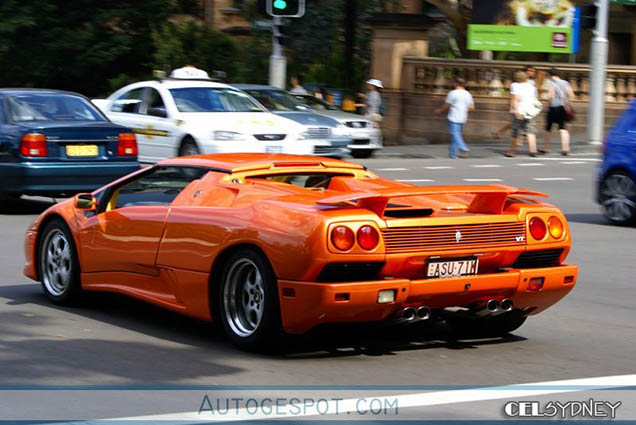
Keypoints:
(342, 238)
(368, 237)
(537, 228)
(556, 227)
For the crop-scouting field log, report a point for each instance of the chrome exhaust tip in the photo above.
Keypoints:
(492, 305)
(507, 304)
(408, 313)
(423, 313)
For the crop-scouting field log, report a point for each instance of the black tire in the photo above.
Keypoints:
(618, 198)
(58, 265)
(239, 316)
(486, 327)
(362, 153)
(189, 147)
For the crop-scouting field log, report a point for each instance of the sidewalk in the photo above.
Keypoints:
(578, 147)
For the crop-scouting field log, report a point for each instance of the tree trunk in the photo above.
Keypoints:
(350, 15)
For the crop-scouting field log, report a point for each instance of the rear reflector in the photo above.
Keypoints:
(568, 279)
(33, 144)
(536, 284)
(127, 145)
(344, 296)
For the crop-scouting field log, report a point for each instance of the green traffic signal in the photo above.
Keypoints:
(280, 4)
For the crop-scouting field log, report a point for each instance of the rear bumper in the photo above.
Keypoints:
(315, 303)
(44, 178)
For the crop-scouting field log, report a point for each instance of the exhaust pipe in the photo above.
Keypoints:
(408, 313)
(507, 304)
(423, 313)
(492, 306)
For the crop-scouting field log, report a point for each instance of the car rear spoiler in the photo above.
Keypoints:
(487, 200)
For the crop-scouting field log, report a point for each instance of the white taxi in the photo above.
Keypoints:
(189, 114)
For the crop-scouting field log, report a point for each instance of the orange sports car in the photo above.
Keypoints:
(271, 243)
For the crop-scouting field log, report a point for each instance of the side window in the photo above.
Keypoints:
(129, 102)
(160, 187)
(156, 107)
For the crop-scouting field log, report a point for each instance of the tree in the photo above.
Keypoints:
(458, 13)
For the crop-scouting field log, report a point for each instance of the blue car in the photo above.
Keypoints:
(55, 143)
(617, 176)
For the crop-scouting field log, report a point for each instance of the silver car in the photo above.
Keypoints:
(367, 138)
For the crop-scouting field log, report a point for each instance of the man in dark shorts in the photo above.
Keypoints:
(559, 94)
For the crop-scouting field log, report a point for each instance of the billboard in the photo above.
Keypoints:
(524, 26)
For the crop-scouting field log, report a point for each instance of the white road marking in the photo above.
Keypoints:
(434, 398)
(530, 164)
(573, 162)
(483, 180)
(486, 166)
(416, 180)
(552, 179)
(440, 167)
(561, 159)
(393, 169)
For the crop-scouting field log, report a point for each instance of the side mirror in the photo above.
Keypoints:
(158, 112)
(85, 201)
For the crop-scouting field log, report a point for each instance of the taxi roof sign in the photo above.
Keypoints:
(189, 72)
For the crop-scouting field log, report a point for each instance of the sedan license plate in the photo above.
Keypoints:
(451, 268)
(81, 150)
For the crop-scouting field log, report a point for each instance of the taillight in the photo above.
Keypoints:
(127, 145)
(342, 238)
(535, 284)
(555, 226)
(537, 228)
(368, 237)
(33, 144)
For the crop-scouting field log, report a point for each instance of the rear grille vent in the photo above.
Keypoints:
(538, 259)
(350, 272)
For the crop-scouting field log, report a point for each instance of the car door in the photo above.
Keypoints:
(126, 110)
(124, 233)
(160, 132)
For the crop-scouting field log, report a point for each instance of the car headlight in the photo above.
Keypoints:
(228, 135)
(342, 130)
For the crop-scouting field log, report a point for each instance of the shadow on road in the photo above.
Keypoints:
(588, 219)
(24, 206)
(207, 340)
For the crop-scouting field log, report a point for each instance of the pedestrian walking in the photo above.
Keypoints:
(372, 101)
(297, 88)
(559, 95)
(531, 72)
(524, 108)
(458, 102)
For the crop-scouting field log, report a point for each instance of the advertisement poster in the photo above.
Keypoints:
(524, 26)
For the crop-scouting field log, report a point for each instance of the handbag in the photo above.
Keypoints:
(570, 113)
(530, 110)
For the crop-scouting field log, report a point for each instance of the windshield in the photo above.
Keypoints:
(276, 100)
(51, 107)
(209, 99)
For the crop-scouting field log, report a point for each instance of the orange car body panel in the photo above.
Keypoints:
(168, 255)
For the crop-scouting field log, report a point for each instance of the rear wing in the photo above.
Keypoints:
(487, 200)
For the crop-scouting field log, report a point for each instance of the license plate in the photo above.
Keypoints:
(81, 150)
(273, 149)
(450, 268)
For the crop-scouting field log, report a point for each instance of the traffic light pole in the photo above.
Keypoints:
(277, 61)
(598, 62)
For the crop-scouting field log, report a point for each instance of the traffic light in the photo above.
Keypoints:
(282, 32)
(588, 16)
(286, 8)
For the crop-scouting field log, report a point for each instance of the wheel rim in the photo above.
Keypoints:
(56, 262)
(190, 149)
(619, 194)
(243, 297)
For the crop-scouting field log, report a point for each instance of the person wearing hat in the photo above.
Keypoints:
(373, 100)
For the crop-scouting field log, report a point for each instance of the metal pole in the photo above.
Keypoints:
(598, 65)
(277, 61)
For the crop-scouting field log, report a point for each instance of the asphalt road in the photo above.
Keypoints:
(115, 341)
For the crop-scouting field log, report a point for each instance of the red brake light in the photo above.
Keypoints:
(536, 284)
(342, 238)
(537, 228)
(33, 144)
(368, 237)
(127, 145)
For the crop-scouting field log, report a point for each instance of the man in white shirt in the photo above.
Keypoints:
(458, 103)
